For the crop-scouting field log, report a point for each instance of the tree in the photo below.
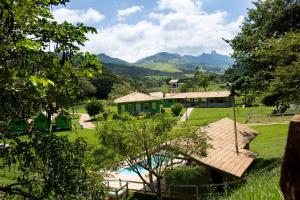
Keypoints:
(34, 77)
(177, 108)
(201, 78)
(267, 48)
(243, 85)
(60, 164)
(119, 90)
(149, 144)
(94, 107)
(186, 86)
(87, 88)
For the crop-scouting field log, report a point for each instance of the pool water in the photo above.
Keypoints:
(129, 171)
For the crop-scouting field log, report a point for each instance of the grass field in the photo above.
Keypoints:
(263, 184)
(202, 116)
(164, 67)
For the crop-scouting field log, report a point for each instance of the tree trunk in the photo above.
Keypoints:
(49, 120)
(290, 176)
(158, 190)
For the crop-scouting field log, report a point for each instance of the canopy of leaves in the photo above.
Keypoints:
(267, 49)
(94, 107)
(35, 77)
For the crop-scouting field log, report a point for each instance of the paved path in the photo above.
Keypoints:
(186, 115)
(84, 121)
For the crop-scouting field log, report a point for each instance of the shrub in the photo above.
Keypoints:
(94, 107)
(105, 115)
(162, 110)
(177, 108)
(116, 116)
(185, 175)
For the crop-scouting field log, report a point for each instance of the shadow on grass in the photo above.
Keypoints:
(261, 164)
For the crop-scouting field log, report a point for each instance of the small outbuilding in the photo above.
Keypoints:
(18, 126)
(41, 122)
(174, 85)
(137, 102)
(63, 121)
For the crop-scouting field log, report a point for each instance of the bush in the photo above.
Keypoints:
(185, 175)
(116, 116)
(94, 107)
(162, 110)
(177, 108)
(105, 115)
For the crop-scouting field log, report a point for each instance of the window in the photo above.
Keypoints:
(146, 106)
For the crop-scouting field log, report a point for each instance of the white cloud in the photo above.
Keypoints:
(175, 31)
(128, 11)
(187, 6)
(76, 16)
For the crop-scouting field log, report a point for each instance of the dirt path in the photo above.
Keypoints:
(84, 121)
(186, 115)
(266, 124)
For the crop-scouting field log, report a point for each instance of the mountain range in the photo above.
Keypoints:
(175, 63)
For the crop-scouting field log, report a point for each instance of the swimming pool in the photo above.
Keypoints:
(129, 170)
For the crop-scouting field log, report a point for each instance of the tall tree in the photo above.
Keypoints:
(267, 48)
(34, 77)
(201, 78)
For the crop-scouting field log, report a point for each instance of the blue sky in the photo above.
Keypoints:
(133, 29)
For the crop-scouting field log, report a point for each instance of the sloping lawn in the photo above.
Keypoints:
(202, 116)
(263, 180)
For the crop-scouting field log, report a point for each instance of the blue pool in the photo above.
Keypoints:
(129, 171)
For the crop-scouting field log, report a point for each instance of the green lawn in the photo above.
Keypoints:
(263, 181)
(164, 67)
(271, 142)
(201, 116)
(89, 135)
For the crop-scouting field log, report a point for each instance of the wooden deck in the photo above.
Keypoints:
(222, 155)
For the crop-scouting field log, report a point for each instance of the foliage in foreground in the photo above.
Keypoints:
(148, 144)
(32, 79)
(51, 167)
(267, 51)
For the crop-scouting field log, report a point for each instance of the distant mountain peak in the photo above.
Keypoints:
(107, 59)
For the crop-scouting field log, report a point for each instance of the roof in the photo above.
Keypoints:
(173, 81)
(157, 94)
(222, 154)
(136, 97)
(210, 94)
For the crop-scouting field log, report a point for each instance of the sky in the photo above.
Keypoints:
(133, 29)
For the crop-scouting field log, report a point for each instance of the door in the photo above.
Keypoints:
(138, 108)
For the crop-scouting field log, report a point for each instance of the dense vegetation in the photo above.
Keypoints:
(267, 54)
(32, 79)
